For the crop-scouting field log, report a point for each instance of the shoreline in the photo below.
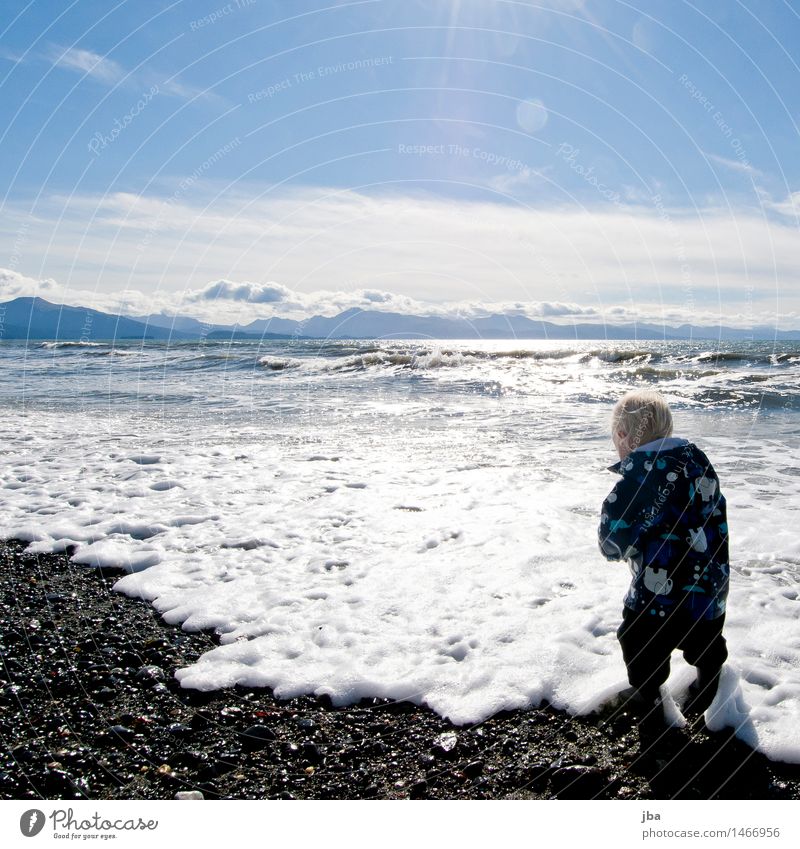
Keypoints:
(89, 708)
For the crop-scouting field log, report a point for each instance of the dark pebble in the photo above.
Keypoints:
(121, 732)
(311, 751)
(418, 790)
(579, 782)
(56, 782)
(151, 674)
(56, 598)
(201, 719)
(23, 754)
(105, 694)
(534, 776)
(473, 769)
(190, 758)
(257, 736)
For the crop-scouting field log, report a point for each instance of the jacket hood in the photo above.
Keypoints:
(668, 443)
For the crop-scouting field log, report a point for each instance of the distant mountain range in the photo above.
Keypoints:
(37, 319)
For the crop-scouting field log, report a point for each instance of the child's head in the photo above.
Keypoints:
(639, 417)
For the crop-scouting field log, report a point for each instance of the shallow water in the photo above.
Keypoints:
(407, 519)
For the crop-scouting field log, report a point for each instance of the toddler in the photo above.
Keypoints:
(666, 517)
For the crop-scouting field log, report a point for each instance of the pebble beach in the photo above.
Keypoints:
(90, 709)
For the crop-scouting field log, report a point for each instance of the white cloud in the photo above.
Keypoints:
(10, 55)
(320, 251)
(545, 309)
(255, 293)
(111, 73)
(525, 176)
(788, 206)
(85, 61)
(228, 304)
(16, 285)
(739, 165)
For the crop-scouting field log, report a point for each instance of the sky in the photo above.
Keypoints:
(597, 160)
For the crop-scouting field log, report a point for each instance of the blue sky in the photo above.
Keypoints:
(591, 158)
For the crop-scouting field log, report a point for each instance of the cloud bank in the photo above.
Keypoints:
(241, 255)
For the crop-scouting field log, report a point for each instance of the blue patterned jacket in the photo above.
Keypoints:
(666, 517)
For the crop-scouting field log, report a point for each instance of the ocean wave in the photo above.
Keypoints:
(279, 363)
(116, 352)
(754, 357)
(79, 344)
(619, 356)
(655, 374)
(449, 357)
(423, 360)
(741, 397)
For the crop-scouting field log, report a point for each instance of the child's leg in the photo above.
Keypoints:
(646, 649)
(704, 646)
(647, 644)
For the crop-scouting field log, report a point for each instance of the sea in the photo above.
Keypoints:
(406, 519)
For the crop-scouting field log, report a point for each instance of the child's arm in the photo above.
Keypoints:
(628, 512)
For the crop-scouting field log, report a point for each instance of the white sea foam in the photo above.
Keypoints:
(376, 550)
(76, 344)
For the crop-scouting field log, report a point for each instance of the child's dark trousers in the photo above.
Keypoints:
(648, 641)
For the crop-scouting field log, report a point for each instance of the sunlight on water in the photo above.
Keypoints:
(414, 520)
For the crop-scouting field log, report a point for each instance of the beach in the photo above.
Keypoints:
(404, 531)
(90, 708)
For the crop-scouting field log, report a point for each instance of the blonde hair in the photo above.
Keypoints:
(643, 415)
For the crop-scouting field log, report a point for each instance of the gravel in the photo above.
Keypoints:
(89, 708)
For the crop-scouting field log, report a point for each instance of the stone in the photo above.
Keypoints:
(444, 745)
(311, 751)
(151, 674)
(257, 736)
(473, 769)
(419, 789)
(187, 795)
(579, 782)
(121, 732)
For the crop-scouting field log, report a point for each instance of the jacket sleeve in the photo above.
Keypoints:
(629, 510)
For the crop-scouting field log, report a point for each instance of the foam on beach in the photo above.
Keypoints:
(397, 556)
